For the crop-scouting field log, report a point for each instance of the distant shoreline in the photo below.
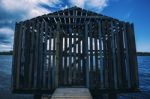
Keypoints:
(138, 53)
(143, 53)
(6, 53)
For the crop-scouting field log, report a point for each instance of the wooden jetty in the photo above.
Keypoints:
(74, 48)
(71, 93)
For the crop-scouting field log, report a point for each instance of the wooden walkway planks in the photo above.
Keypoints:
(71, 93)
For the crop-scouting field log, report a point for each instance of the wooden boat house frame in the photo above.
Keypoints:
(74, 48)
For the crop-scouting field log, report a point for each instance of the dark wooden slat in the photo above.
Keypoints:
(136, 77)
(31, 65)
(19, 56)
(58, 56)
(86, 57)
(45, 69)
(114, 54)
(36, 54)
(105, 76)
(91, 57)
(118, 56)
(15, 55)
(50, 62)
(65, 63)
(70, 67)
(101, 55)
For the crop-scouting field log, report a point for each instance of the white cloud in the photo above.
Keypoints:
(5, 47)
(6, 34)
(96, 5)
(30, 8)
(7, 31)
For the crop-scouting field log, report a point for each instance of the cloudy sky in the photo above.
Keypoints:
(136, 11)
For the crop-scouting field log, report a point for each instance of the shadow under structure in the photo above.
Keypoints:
(74, 47)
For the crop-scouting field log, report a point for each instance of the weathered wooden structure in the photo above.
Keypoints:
(74, 48)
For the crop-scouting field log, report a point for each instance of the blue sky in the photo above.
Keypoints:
(135, 11)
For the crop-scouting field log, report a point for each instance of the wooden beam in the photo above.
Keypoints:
(86, 57)
(57, 56)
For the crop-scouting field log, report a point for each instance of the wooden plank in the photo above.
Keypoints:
(91, 57)
(31, 64)
(60, 58)
(101, 54)
(127, 56)
(19, 56)
(86, 57)
(123, 69)
(96, 63)
(118, 56)
(79, 58)
(65, 63)
(71, 93)
(50, 61)
(114, 54)
(105, 76)
(26, 55)
(132, 58)
(82, 17)
(37, 35)
(41, 60)
(108, 56)
(57, 56)
(15, 56)
(34, 31)
(74, 58)
(136, 77)
(70, 67)
(45, 69)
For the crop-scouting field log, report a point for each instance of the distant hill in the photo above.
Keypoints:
(6, 53)
(143, 53)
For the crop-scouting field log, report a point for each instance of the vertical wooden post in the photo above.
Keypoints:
(50, 62)
(18, 62)
(15, 55)
(127, 56)
(65, 61)
(57, 56)
(37, 45)
(86, 55)
(70, 67)
(114, 54)
(101, 55)
(45, 53)
(91, 56)
(134, 58)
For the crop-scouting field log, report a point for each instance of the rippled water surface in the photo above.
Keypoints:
(6, 63)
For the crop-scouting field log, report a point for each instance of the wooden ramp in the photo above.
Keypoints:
(71, 93)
